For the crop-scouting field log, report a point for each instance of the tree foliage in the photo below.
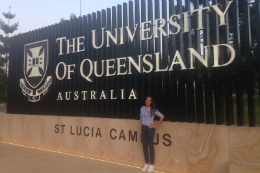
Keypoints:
(72, 16)
(8, 15)
(4, 51)
(6, 27)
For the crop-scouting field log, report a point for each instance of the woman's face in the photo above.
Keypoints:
(148, 101)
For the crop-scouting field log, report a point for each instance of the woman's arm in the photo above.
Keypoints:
(141, 129)
(160, 121)
(141, 118)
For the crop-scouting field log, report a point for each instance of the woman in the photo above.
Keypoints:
(148, 129)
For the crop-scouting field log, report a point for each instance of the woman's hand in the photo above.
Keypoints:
(152, 126)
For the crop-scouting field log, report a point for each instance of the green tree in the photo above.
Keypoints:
(72, 16)
(7, 28)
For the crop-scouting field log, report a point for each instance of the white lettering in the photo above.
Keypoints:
(76, 96)
(64, 72)
(178, 57)
(80, 43)
(71, 45)
(95, 38)
(70, 71)
(59, 96)
(90, 70)
(60, 41)
(119, 66)
(132, 94)
(110, 67)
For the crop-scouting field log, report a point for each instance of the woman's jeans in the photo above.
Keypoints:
(147, 140)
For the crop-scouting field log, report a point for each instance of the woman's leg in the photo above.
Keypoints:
(150, 136)
(145, 145)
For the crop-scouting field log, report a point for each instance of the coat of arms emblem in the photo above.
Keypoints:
(36, 59)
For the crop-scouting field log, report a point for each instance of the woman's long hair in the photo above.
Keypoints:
(153, 106)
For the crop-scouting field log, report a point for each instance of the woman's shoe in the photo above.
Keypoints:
(151, 168)
(145, 167)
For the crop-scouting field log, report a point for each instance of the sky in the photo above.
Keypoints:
(34, 14)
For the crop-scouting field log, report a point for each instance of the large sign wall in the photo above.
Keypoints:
(104, 64)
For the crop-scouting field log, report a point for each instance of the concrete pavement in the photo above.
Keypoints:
(18, 159)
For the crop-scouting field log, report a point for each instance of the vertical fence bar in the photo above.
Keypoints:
(257, 18)
(198, 72)
(227, 71)
(16, 66)
(14, 49)
(55, 63)
(11, 75)
(84, 84)
(207, 72)
(23, 106)
(44, 100)
(157, 46)
(89, 56)
(71, 59)
(98, 58)
(15, 44)
(114, 53)
(19, 56)
(125, 53)
(238, 79)
(29, 38)
(138, 52)
(132, 78)
(165, 63)
(109, 81)
(38, 108)
(173, 74)
(51, 95)
(16, 59)
(182, 74)
(79, 79)
(94, 56)
(66, 57)
(143, 80)
(65, 104)
(250, 84)
(150, 82)
(119, 79)
(190, 73)
(63, 89)
(25, 37)
(103, 57)
(218, 92)
(58, 89)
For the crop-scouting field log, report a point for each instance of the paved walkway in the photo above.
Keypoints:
(18, 159)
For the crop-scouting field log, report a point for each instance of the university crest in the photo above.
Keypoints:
(36, 58)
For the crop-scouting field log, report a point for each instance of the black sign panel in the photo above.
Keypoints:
(104, 64)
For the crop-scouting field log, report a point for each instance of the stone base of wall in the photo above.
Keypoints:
(244, 167)
(179, 147)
